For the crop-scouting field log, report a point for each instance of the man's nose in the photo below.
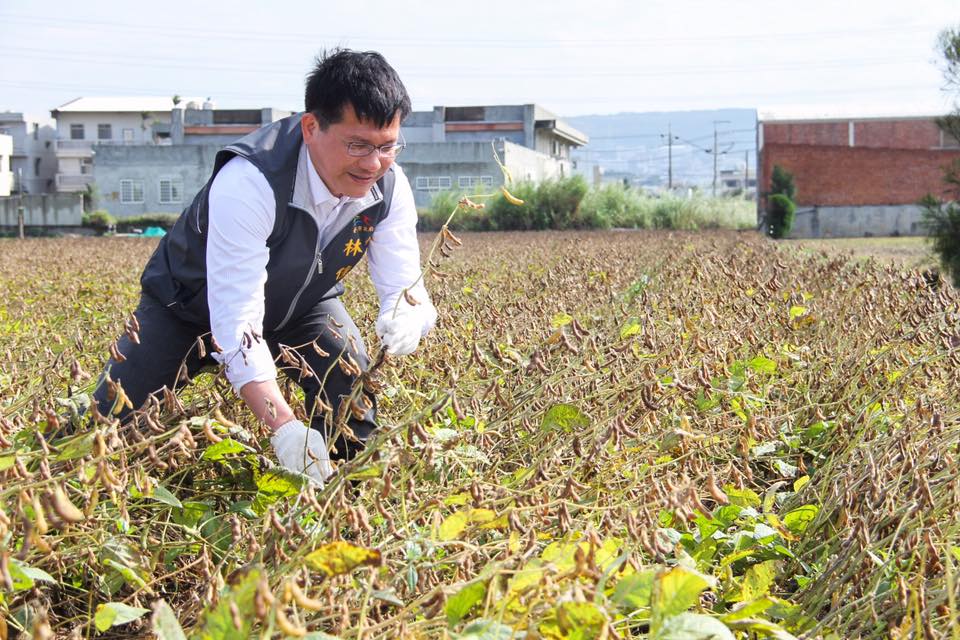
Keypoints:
(372, 162)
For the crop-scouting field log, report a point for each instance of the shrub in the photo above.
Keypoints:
(612, 205)
(558, 202)
(782, 182)
(511, 217)
(780, 214)
(442, 204)
(942, 223)
(101, 220)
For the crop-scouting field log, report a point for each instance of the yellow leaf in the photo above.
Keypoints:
(338, 558)
(456, 523)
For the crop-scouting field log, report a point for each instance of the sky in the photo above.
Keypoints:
(573, 58)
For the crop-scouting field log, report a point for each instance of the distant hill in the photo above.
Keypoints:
(634, 145)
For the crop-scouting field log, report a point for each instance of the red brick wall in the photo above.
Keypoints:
(852, 176)
(895, 134)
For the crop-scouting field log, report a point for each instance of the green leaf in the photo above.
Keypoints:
(459, 604)
(741, 497)
(630, 329)
(24, 576)
(768, 629)
(580, 620)
(675, 591)
(75, 446)
(564, 417)
(217, 623)
(366, 473)
(693, 626)
(561, 319)
(756, 582)
(634, 591)
(7, 461)
(796, 311)
(799, 519)
(114, 614)
(162, 494)
(760, 364)
(800, 483)
(275, 485)
(165, 623)
(485, 630)
(224, 448)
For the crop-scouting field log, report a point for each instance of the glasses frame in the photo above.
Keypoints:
(364, 149)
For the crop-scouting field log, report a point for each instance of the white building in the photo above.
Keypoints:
(34, 159)
(6, 176)
(85, 122)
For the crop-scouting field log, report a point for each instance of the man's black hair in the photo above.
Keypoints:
(360, 78)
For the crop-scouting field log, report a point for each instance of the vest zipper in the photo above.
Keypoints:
(317, 259)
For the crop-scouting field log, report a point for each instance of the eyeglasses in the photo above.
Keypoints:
(363, 149)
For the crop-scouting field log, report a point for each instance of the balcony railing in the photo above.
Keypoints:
(73, 182)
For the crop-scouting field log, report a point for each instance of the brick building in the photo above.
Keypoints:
(857, 174)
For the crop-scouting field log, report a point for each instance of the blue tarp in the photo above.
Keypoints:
(154, 232)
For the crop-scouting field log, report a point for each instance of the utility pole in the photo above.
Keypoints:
(669, 157)
(716, 153)
(746, 171)
(20, 201)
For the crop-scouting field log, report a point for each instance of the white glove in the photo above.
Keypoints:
(294, 444)
(400, 333)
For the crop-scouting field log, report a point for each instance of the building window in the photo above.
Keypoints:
(171, 190)
(131, 191)
(127, 136)
(36, 167)
(433, 183)
(36, 131)
(466, 182)
(104, 132)
(76, 132)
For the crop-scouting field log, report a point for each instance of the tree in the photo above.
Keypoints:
(942, 219)
(781, 207)
(782, 182)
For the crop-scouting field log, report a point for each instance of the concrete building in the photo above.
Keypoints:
(857, 173)
(450, 147)
(34, 159)
(6, 154)
(85, 123)
(163, 173)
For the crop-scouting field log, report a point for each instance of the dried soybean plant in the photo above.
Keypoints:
(599, 412)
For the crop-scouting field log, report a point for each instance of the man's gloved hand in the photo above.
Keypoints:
(294, 443)
(400, 333)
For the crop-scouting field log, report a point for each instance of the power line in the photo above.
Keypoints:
(183, 31)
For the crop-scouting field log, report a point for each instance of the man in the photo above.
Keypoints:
(258, 257)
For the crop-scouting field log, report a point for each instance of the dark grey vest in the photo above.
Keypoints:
(303, 268)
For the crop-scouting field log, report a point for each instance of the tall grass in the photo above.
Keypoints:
(570, 204)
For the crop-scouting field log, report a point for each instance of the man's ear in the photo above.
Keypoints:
(309, 126)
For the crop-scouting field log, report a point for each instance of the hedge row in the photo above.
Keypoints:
(570, 204)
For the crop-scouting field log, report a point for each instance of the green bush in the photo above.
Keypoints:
(781, 181)
(568, 203)
(612, 205)
(942, 223)
(780, 214)
(99, 219)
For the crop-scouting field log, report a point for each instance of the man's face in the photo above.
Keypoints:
(346, 175)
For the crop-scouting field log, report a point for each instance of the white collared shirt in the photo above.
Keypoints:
(242, 211)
